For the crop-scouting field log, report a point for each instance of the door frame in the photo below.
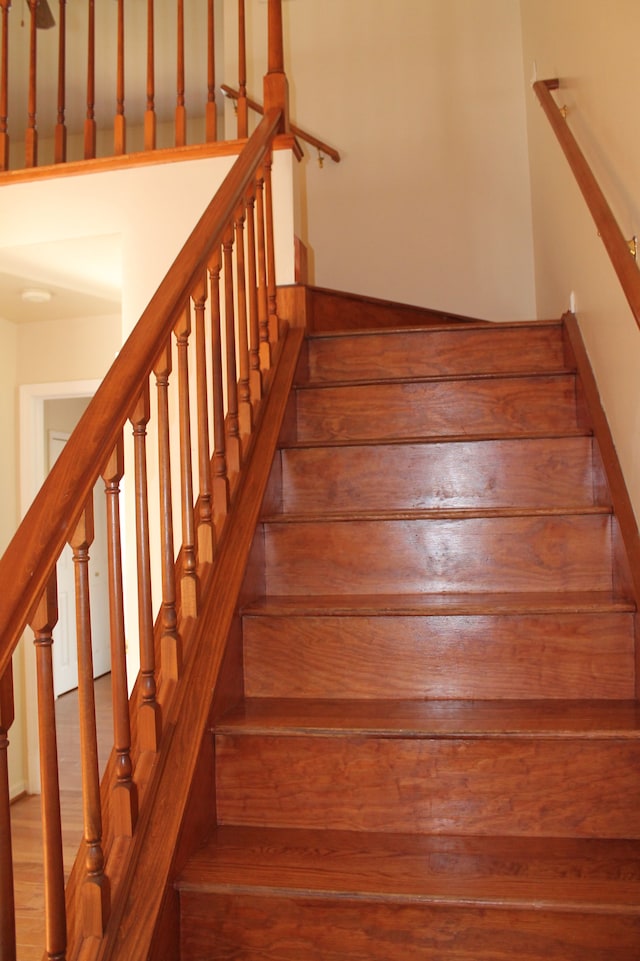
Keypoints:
(33, 470)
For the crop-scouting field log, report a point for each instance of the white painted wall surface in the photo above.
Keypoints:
(592, 48)
(425, 102)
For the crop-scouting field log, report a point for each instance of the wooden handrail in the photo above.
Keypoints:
(613, 238)
(309, 138)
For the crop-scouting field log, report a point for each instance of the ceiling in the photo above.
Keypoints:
(83, 277)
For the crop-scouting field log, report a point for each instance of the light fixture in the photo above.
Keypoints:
(36, 295)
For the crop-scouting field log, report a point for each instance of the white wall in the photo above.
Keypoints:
(8, 514)
(424, 100)
(592, 48)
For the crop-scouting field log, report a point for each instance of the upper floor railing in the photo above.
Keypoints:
(621, 252)
(173, 423)
(110, 79)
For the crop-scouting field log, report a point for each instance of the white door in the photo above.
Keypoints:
(65, 660)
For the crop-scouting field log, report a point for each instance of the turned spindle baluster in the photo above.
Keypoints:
(124, 802)
(150, 113)
(255, 376)
(42, 624)
(220, 475)
(119, 124)
(31, 136)
(211, 116)
(234, 452)
(95, 890)
(181, 111)
(189, 578)
(274, 323)
(5, 6)
(60, 141)
(90, 120)
(245, 412)
(263, 300)
(149, 719)
(243, 107)
(7, 897)
(171, 644)
(205, 501)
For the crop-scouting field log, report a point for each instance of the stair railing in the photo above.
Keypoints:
(204, 347)
(617, 247)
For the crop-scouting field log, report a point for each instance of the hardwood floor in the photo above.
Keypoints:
(26, 824)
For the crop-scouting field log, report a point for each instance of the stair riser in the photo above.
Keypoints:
(555, 787)
(551, 472)
(417, 556)
(246, 928)
(437, 408)
(427, 353)
(550, 656)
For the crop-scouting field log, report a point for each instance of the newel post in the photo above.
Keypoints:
(276, 87)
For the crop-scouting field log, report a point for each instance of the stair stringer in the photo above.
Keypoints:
(626, 539)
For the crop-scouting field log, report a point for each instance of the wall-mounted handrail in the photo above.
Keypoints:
(613, 238)
(322, 147)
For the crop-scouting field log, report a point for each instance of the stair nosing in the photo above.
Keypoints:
(536, 373)
(456, 326)
(429, 439)
(433, 513)
(435, 605)
(505, 903)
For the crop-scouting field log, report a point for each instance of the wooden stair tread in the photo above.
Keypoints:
(448, 719)
(551, 873)
(434, 513)
(439, 604)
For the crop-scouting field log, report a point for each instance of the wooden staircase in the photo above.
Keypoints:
(437, 754)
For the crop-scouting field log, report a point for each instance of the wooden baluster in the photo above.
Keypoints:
(95, 891)
(42, 624)
(220, 475)
(181, 113)
(125, 797)
(255, 376)
(276, 89)
(243, 107)
(274, 332)
(234, 451)
(90, 120)
(211, 116)
(171, 645)
(263, 301)
(150, 113)
(4, 86)
(245, 412)
(60, 143)
(205, 501)
(149, 719)
(119, 126)
(31, 136)
(7, 898)
(189, 579)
